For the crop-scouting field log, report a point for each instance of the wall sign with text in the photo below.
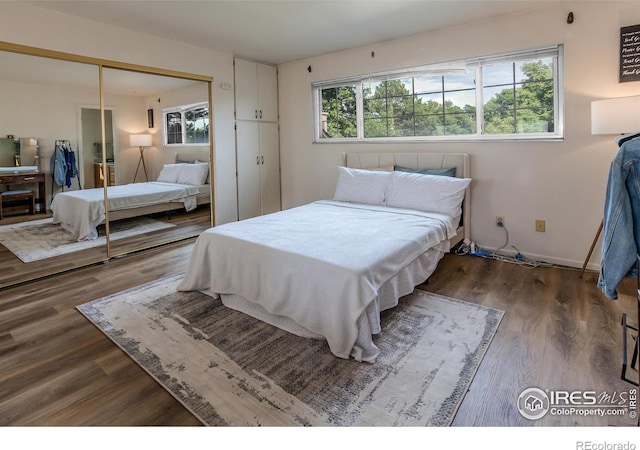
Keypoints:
(630, 53)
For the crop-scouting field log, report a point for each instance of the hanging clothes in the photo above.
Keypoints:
(63, 165)
(70, 165)
(58, 166)
(621, 239)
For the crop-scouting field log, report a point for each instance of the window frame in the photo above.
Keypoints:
(182, 109)
(556, 52)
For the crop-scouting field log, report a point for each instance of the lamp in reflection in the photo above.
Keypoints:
(141, 141)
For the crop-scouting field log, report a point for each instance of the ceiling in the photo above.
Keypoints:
(279, 31)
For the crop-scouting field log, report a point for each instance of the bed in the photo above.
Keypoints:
(182, 185)
(327, 269)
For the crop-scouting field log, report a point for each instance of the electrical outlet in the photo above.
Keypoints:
(540, 225)
(499, 221)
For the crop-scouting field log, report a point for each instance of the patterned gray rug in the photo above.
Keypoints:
(230, 369)
(41, 239)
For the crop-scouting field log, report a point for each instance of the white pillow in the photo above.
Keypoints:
(197, 161)
(361, 186)
(431, 193)
(195, 174)
(169, 173)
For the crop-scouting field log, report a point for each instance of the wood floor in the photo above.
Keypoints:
(15, 271)
(559, 333)
(56, 368)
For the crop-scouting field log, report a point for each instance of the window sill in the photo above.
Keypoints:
(447, 139)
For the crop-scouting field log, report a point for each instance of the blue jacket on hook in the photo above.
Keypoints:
(621, 240)
(58, 166)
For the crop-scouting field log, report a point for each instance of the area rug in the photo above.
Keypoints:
(230, 369)
(41, 239)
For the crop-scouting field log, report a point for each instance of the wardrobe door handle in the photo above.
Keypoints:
(261, 114)
(262, 157)
(258, 160)
(256, 113)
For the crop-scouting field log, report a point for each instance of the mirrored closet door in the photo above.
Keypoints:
(78, 132)
(160, 161)
(38, 120)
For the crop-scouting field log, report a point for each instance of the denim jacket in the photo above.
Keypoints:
(58, 166)
(621, 239)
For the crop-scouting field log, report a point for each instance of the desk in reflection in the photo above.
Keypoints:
(12, 181)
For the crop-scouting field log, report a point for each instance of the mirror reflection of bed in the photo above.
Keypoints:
(175, 204)
(182, 186)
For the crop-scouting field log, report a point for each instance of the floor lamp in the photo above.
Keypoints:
(141, 141)
(613, 116)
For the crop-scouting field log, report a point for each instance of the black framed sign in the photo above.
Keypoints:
(630, 53)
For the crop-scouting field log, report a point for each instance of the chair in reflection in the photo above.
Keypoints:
(14, 200)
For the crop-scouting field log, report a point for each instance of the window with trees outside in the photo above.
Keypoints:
(509, 96)
(188, 124)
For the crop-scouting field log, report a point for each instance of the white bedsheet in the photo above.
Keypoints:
(321, 265)
(82, 211)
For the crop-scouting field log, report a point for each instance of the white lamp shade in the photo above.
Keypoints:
(140, 140)
(615, 115)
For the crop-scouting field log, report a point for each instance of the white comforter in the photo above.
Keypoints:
(320, 264)
(82, 211)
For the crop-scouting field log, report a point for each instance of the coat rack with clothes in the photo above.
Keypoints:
(621, 237)
(620, 140)
(63, 166)
(621, 222)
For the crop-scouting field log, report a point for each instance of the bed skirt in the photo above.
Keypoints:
(417, 272)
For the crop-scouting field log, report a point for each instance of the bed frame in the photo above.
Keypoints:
(461, 161)
(185, 156)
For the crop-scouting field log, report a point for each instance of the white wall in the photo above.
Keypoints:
(38, 111)
(560, 182)
(28, 25)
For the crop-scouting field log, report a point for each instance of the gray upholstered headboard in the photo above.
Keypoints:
(192, 156)
(461, 161)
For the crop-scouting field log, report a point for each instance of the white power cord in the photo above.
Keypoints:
(468, 247)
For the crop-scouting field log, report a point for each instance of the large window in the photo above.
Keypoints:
(187, 124)
(514, 96)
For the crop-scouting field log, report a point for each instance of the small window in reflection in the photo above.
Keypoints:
(174, 127)
(188, 124)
